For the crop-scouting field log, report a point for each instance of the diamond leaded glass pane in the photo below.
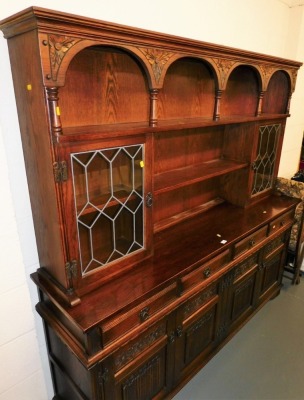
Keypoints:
(264, 163)
(108, 192)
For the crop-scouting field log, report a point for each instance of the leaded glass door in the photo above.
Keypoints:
(265, 163)
(109, 196)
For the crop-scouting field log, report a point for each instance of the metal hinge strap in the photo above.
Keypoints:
(60, 171)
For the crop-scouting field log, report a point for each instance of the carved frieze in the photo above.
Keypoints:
(131, 352)
(193, 305)
(245, 265)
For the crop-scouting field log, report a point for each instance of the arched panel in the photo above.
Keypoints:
(277, 94)
(104, 85)
(188, 90)
(242, 92)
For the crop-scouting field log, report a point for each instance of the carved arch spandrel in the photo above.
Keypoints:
(161, 61)
(291, 73)
(58, 51)
(226, 66)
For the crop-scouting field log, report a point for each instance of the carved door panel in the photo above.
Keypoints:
(143, 368)
(195, 332)
(270, 272)
(239, 294)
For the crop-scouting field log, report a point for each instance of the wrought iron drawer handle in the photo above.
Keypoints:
(251, 242)
(144, 314)
(207, 272)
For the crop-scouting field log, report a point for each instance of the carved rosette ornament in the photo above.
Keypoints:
(224, 67)
(157, 59)
(58, 48)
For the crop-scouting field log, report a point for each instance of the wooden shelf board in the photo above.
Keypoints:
(194, 173)
(80, 133)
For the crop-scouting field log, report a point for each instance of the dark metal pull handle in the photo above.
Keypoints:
(207, 272)
(144, 314)
(251, 242)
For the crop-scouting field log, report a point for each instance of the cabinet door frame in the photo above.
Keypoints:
(188, 322)
(84, 283)
(147, 358)
(265, 192)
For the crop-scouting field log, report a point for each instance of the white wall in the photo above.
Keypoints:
(266, 26)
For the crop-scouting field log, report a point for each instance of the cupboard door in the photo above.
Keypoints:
(267, 156)
(238, 288)
(107, 206)
(270, 274)
(196, 325)
(143, 368)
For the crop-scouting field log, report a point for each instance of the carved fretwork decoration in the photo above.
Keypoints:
(270, 247)
(201, 322)
(140, 345)
(245, 266)
(198, 301)
(158, 59)
(224, 66)
(151, 365)
(58, 47)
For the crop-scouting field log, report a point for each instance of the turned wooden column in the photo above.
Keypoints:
(54, 111)
(153, 107)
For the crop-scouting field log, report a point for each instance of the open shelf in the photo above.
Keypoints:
(166, 223)
(194, 173)
(94, 132)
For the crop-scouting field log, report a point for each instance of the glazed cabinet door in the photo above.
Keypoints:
(266, 158)
(107, 206)
(143, 368)
(195, 333)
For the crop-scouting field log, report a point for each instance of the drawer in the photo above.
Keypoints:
(250, 242)
(206, 271)
(127, 320)
(281, 222)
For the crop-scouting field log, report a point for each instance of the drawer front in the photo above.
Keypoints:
(128, 320)
(206, 271)
(250, 242)
(281, 222)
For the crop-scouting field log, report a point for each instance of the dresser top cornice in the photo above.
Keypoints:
(55, 22)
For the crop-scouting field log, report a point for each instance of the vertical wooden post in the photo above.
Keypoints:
(153, 107)
(260, 103)
(54, 111)
(217, 105)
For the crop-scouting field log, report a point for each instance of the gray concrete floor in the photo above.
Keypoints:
(263, 361)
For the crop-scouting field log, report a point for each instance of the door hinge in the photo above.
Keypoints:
(71, 269)
(60, 171)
